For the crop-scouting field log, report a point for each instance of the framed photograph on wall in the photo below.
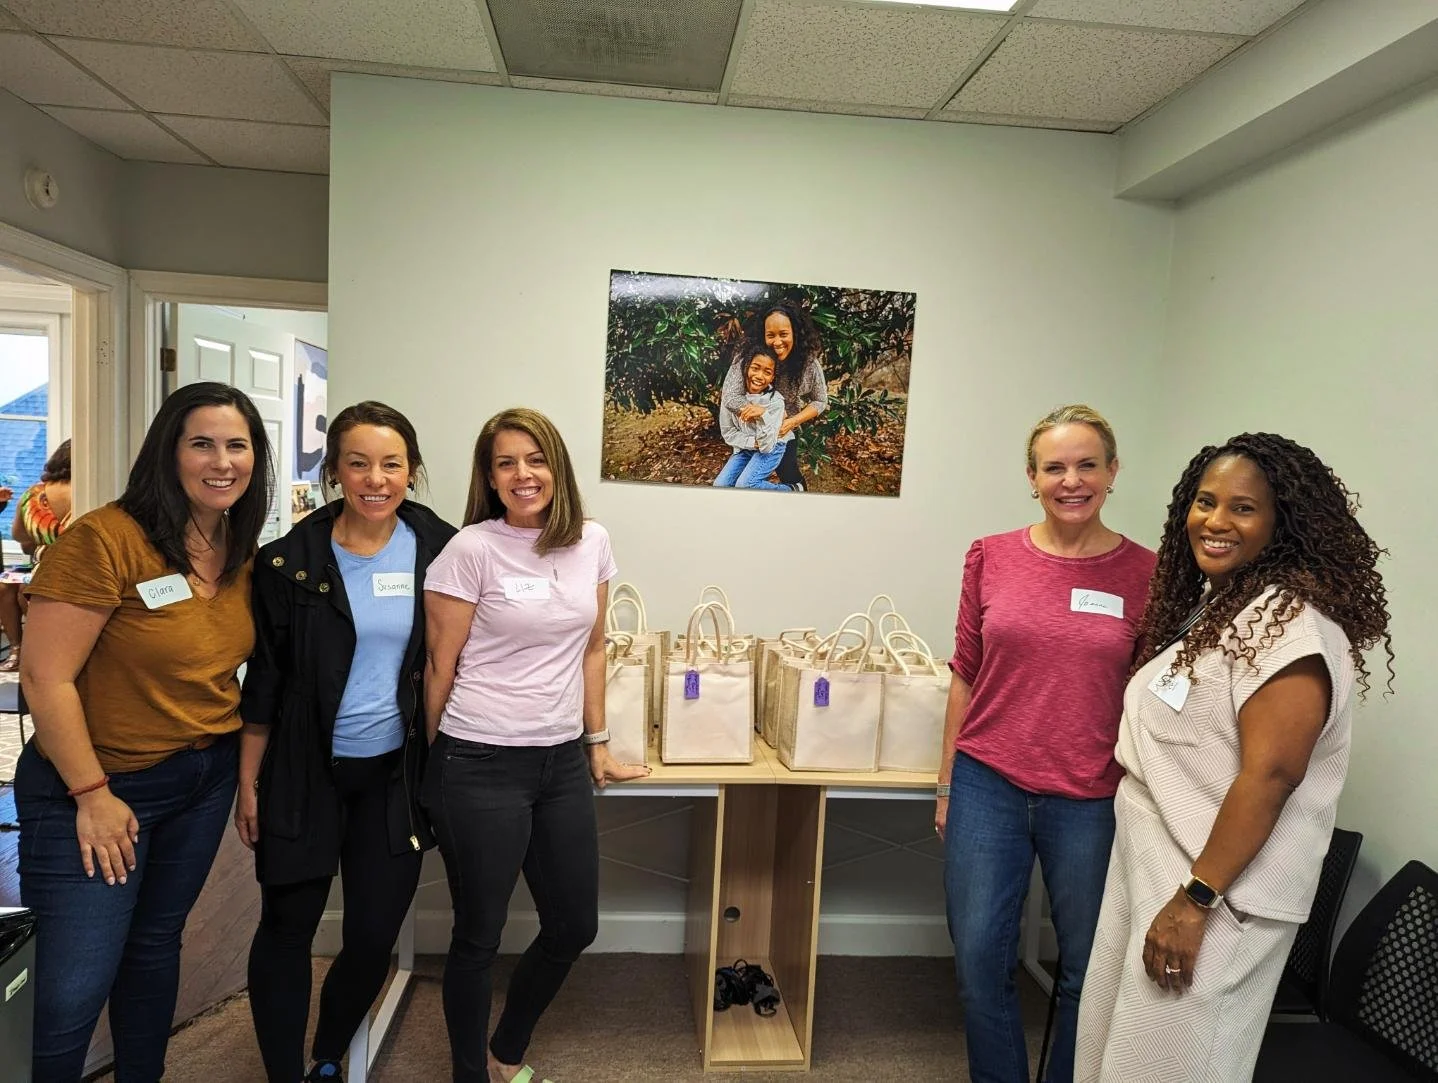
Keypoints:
(756, 385)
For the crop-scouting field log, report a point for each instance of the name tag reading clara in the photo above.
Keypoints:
(166, 590)
(524, 588)
(1096, 601)
(1172, 688)
(393, 584)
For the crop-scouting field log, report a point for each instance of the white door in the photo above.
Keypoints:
(260, 361)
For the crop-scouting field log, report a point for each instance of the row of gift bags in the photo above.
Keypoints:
(867, 696)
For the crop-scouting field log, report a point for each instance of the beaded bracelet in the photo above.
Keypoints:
(88, 789)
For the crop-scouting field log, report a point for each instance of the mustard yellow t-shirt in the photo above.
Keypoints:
(157, 679)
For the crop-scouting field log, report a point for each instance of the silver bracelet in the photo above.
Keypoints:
(941, 790)
(600, 737)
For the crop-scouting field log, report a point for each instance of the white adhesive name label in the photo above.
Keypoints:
(166, 590)
(18, 984)
(522, 588)
(393, 584)
(1096, 601)
(1172, 688)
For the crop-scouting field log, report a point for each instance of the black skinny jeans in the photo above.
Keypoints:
(378, 888)
(497, 811)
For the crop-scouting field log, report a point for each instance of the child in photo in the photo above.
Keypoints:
(753, 432)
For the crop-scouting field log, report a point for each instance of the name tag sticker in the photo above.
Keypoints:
(1172, 688)
(1096, 601)
(166, 590)
(521, 588)
(393, 584)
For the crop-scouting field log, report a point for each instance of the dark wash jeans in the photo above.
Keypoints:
(95, 941)
(499, 811)
(993, 833)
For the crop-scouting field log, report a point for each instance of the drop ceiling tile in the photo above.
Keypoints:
(129, 135)
(754, 101)
(1067, 124)
(683, 44)
(36, 73)
(1247, 17)
(421, 33)
(246, 145)
(1094, 73)
(315, 73)
(198, 24)
(615, 90)
(874, 55)
(243, 86)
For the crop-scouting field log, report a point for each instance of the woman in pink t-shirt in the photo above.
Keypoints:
(1048, 616)
(514, 702)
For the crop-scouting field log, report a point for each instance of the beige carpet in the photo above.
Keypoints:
(625, 1017)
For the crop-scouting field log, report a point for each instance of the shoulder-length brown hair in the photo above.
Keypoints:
(564, 521)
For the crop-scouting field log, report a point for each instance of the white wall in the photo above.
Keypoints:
(1303, 302)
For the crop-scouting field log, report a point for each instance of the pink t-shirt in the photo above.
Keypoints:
(1045, 644)
(520, 679)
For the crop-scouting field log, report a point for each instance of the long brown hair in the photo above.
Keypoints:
(564, 518)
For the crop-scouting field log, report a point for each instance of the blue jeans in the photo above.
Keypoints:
(121, 942)
(750, 469)
(993, 833)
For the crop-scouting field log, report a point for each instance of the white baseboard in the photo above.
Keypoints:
(663, 934)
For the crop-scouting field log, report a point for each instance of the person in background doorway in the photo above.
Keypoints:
(334, 746)
(514, 696)
(41, 517)
(139, 621)
(1048, 616)
(1234, 740)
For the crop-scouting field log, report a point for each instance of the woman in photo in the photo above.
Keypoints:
(1048, 616)
(334, 745)
(1234, 740)
(788, 331)
(757, 445)
(514, 698)
(139, 620)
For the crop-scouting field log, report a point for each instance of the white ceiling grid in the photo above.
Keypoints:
(245, 83)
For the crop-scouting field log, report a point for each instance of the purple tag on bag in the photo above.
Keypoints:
(691, 684)
(821, 692)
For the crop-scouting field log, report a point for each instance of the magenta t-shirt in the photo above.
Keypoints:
(520, 678)
(1045, 643)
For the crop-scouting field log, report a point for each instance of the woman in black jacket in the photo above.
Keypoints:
(334, 743)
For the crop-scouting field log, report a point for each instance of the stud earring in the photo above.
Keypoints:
(1034, 493)
(1109, 489)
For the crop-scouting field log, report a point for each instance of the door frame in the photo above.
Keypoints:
(100, 445)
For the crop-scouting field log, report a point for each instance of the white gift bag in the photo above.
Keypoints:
(768, 657)
(626, 699)
(831, 703)
(916, 696)
(649, 646)
(708, 688)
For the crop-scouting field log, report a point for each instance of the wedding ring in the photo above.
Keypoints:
(1172, 969)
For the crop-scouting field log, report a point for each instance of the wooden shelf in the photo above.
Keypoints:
(880, 780)
(745, 1039)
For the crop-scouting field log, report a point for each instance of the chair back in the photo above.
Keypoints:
(1306, 971)
(1384, 983)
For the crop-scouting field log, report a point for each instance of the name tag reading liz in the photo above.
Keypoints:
(166, 590)
(393, 584)
(523, 588)
(1096, 601)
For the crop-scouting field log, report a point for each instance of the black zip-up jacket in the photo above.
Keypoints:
(304, 644)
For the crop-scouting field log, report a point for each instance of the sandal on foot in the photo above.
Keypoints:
(526, 1075)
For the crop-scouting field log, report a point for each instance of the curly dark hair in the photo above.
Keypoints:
(1319, 555)
(807, 344)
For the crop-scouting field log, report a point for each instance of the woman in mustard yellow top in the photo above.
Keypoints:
(139, 620)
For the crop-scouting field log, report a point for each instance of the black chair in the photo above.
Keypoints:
(1304, 988)
(1382, 1004)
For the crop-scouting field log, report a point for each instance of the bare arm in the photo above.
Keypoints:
(809, 413)
(1278, 728)
(254, 739)
(58, 640)
(958, 707)
(446, 628)
(603, 767)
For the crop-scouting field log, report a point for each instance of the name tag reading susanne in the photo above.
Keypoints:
(393, 584)
(524, 588)
(166, 590)
(1096, 601)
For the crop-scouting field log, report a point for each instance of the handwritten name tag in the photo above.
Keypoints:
(1096, 601)
(1172, 688)
(393, 584)
(522, 588)
(166, 590)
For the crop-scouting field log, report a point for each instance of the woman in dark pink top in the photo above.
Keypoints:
(1048, 615)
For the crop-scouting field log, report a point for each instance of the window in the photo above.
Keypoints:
(25, 364)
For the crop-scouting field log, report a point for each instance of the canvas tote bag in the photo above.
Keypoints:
(709, 709)
(832, 702)
(769, 655)
(626, 699)
(916, 695)
(648, 645)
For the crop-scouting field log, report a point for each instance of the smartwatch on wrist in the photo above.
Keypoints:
(1201, 894)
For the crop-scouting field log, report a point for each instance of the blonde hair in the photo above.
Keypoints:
(564, 518)
(1074, 414)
